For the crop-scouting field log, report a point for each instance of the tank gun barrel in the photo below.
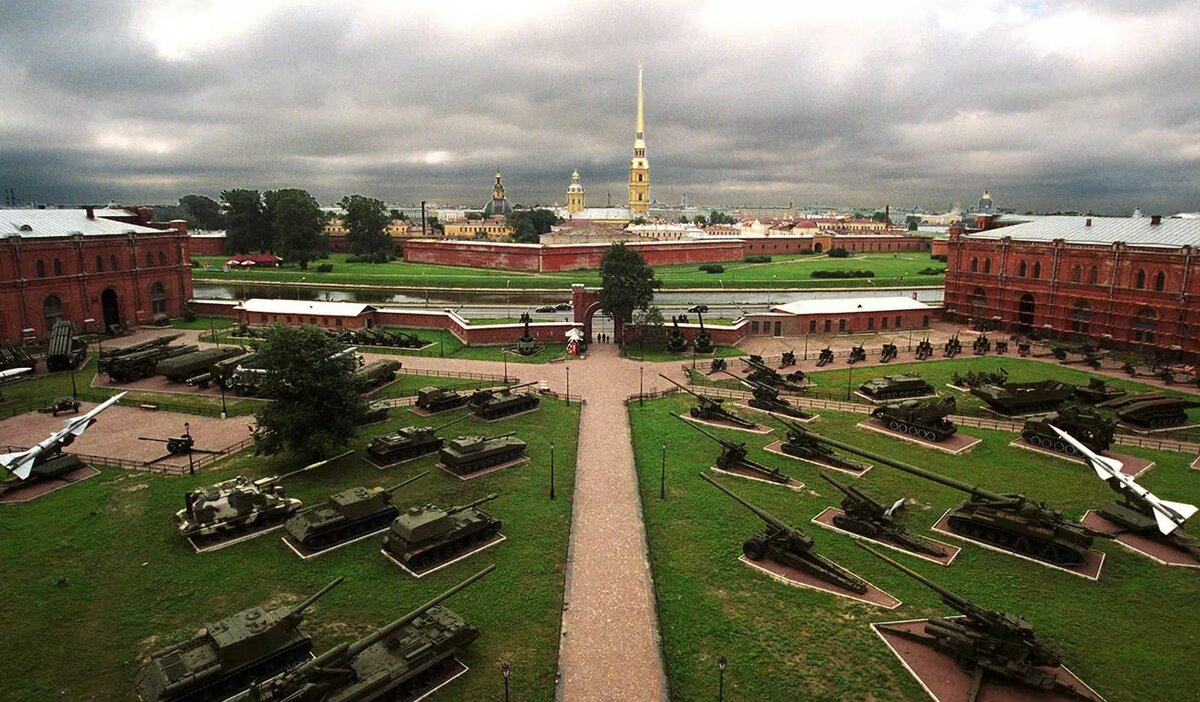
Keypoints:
(309, 467)
(762, 514)
(714, 437)
(452, 421)
(754, 383)
(476, 503)
(522, 385)
(680, 386)
(299, 609)
(399, 485)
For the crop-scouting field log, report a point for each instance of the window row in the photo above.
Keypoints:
(52, 306)
(1024, 270)
(56, 265)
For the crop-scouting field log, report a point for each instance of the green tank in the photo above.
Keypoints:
(467, 454)
(1151, 410)
(924, 419)
(1097, 391)
(425, 535)
(896, 387)
(189, 365)
(345, 515)
(228, 655)
(408, 443)
(66, 351)
(404, 660)
(1025, 398)
(1091, 428)
(493, 404)
(376, 373)
(434, 400)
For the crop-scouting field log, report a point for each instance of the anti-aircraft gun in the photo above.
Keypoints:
(925, 419)
(1007, 521)
(857, 353)
(346, 515)
(408, 443)
(493, 404)
(953, 347)
(228, 655)
(825, 357)
(788, 546)
(767, 398)
(888, 353)
(801, 445)
(985, 642)
(710, 408)
(401, 661)
(425, 535)
(864, 515)
(46, 460)
(676, 342)
(703, 341)
(735, 455)
(924, 349)
(760, 372)
(981, 345)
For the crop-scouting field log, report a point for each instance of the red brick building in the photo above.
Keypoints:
(840, 315)
(114, 267)
(1130, 283)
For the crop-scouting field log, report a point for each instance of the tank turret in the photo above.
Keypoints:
(467, 454)
(1024, 398)
(376, 373)
(924, 419)
(434, 399)
(493, 404)
(346, 515)
(1097, 390)
(1091, 428)
(425, 535)
(408, 443)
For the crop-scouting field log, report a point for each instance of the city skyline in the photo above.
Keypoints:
(1048, 105)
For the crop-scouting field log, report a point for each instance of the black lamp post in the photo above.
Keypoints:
(568, 385)
(552, 471)
(640, 386)
(504, 670)
(187, 431)
(721, 663)
(662, 477)
(74, 394)
(224, 409)
(849, 382)
(504, 355)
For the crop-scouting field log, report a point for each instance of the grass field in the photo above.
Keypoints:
(203, 323)
(96, 576)
(656, 353)
(792, 271)
(1127, 635)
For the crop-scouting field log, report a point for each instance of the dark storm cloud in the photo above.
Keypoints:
(1049, 105)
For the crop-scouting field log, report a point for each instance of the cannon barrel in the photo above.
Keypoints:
(476, 503)
(299, 609)
(762, 514)
(311, 466)
(518, 387)
(452, 421)
(198, 380)
(753, 383)
(714, 437)
(680, 386)
(401, 484)
(960, 604)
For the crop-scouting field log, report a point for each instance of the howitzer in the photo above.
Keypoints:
(709, 408)
(1008, 521)
(801, 445)
(985, 642)
(734, 455)
(924, 349)
(866, 516)
(787, 545)
(759, 371)
(766, 397)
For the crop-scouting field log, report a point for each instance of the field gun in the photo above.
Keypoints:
(825, 357)
(710, 408)
(759, 371)
(734, 455)
(800, 444)
(766, 397)
(866, 516)
(924, 349)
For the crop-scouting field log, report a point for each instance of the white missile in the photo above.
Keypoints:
(21, 463)
(1169, 515)
(13, 372)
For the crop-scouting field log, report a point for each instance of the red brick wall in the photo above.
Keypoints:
(535, 257)
(516, 257)
(763, 323)
(206, 245)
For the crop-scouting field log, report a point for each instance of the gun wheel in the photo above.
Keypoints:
(755, 549)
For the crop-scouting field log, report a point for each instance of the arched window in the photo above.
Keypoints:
(112, 262)
(974, 265)
(1081, 316)
(1037, 269)
(978, 302)
(52, 310)
(1022, 269)
(1145, 323)
(99, 263)
(57, 267)
(39, 267)
(149, 259)
(1094, 275)
(1160, 281)
(1140, 281)
(987, 265)
(162, 257)
(1077, 274)
(158, 298)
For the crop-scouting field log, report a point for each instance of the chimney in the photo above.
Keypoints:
(1155, 220)
(91, 211)
(1088, 223)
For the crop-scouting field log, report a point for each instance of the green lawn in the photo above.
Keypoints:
(793, 271)
(203, 323)
(98, 578)
(657, 353)
(1127, 635)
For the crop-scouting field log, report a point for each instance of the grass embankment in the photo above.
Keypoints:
(1127, 635)
(791, 271)
(99, 577)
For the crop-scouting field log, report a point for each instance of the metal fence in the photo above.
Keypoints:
(458, 374)
(145, 466)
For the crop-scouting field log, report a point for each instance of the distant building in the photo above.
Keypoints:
(639, 166)
(499, 206)
(575, 195)
(843, 315)
(492, 226)
(985, 203)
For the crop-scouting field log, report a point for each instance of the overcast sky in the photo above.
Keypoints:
(1049, 105)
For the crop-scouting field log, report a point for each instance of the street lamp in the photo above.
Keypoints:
(507, 309)
(568, 385)
(187, 432)
(721, 663)
(504, 670)
(662, 476)
(640, 386)
(552, 471)
(224, 409)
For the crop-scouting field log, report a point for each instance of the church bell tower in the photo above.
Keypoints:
(639, 167)
(574, 194)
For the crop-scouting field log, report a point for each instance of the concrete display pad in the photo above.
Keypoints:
(944, 681)
(876, 401)
(958, 444)
(157, 384)
(507, 416)
(777, 448)
(1196, 463)
(493, 469)
(756, 429)
(1023, 415)
(485, 545)
(37, 488)
(236, 539)
(420, 412)
(1089, 570)
(959, 388)
(459, 668)
(1132, 465)
(781, 415)
(751, 475)
(310, 553)
(1158, 551)
(825, 520)
(798, 578)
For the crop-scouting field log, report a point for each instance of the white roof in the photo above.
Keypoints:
(847, 305)
(46, 223)
(1172, 232)
(261, 305)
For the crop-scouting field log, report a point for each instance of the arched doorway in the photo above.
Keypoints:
(111, 309)
(52, 311)
(1025, 311)
(818, 248)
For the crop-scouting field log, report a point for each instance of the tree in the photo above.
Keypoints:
(397, 214)
(626, 284)
(879, 216)
(366, 220)
(315, 404)
(650, 324)
(247, 227)
(529, 225)
(700, 220)
(683, 219)
(435, 226)
(715, 217)
(203, 212)
(638, 220)
(912, 225)
(837, 252)
(296, 224)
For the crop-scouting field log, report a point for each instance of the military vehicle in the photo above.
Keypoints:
(735, 455)
(924, 419)
(1001, 346)
(972, 379)
(825, 357)
(46, 460)
(710, 408)
(981, 345)
(376, 373)
(126, 365)
(1151, 410)
(404, 660)
(760, 372)
(717, 365)
(424, 535)
(228, 655)
(467, 454)
(787, 358)
(493, 404)
(434, 400)
(865, 516)
(788, 546)
(952, 348)
(985, 643)
(703, 342)
(896, 387)
(1025, 398)
(66, 351)
(767, 398)
(345, 515)
(408, 443)
(800, 445)
(1093, 430)
(527, 344)
(61, 405)
(1007, 521)
(238, 504)
(1097, 390)
(857, 353)
(676, 342)
(888, 353)
(177, 369)
(13, 355)
(176, 446)
(924, 349)
(222, 373)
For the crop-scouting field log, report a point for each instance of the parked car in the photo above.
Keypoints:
(546, 308)
(562, 306)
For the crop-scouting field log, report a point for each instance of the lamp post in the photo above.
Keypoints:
(721, 663)
(552, 471)
(504, 356)
(224, 409)
(504, 670)
(74, 394)
(568, 386)
(640, 385)
(507, 308)
(187, 431)
(662, 476)
(849, 382)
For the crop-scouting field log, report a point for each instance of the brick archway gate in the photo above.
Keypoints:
(586, 303)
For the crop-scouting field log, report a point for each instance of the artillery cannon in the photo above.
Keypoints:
(401, 661)
(952, 348)
(467, 454)
(972, 379)
(985, 642)
(408, 443)
(735, 455)
(1001, 346)
(424, 536)
(924, 349)
(1097, 390)
(375, 373)
(982, 345)
(676, 342)
(1093, 430)
(1024, 398)
(767, 398)
(825, 357)
(1007, 521)
(228, 655)
(434, 399)
(924, 419)
(710, 408)
(703, 341)
(527, 344)
(346, 515)
(857, 353)
(176, 446)
(66, 351)
(61, 405)
(787, 358)
(760, 372)
(801, 445)
(888, 353)
(717, 365)
(493, 404)
(788, 546)
(865, 516)
(896, 387)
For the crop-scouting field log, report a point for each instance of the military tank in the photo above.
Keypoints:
(1025, 398)
(425, 535)
(468, 454)
(434, 399)
(376, 373)
(1152, 410)
(1097, 391)
(896, 387)
(408, 443)
(924, 419)
(228, 655)
(1091, 428)
(493, 404)
(345, 515)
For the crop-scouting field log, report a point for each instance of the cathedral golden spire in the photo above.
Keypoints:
(639, 167)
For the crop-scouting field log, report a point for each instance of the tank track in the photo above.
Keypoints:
(408, 452)
(1049, 551)
(239, 679)
(525, 404)
(919, 432)
(1056, 445)
(487, 462)
(441, 553)
(1159, 422)
(205, 537)
(421, 683)
(435, 407)
(901, 394)
(349, 530)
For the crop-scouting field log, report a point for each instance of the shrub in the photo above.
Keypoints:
(189, 315)
(379, 257)
(842, 274)
(757, 259)
(837, 252)
(712, 268)
(932, 271)
(939, 258)
(325, 268)
(193, 263)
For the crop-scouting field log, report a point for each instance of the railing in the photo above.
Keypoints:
(458, 374)
(16, 407)
(145, 466)
(652, 395)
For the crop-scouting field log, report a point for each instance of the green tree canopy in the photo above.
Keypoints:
(529, 225)
(315, 404)
(715, 217)
(366, 219)
(247, 226)
(296, 224)
(626, 283)
(202, 212)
